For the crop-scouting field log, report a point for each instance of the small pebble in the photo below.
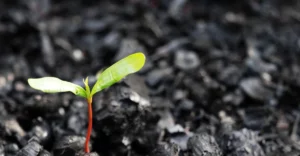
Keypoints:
(186, 60)
(204, 145)
(255, 88)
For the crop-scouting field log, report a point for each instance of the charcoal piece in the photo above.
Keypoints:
(11, 149)
(62, 43)
(171, 46)
(204, 145)
(41, 131)
(212, 84)
(255, 88)
(175, 129)
(176, 8)
(142, 144)
(273, 56)
(227, 123)
(10, 103)
(39, 8)
(3, 111)
(75, 123)
(260, 66)
(161, 103)
(5, 83)
(186, 105)
(58, 129)
(44, 153)
(282, 124)
(179, 94)
(120, 116)
(68, 145)
(41, 104)
(47, 48)
(12, 127)
(146, 38)
(186, 60)
(235, 139)
(271, 147)
(256, 118)
(198, 91)
(114, 124)
(112, 40)
(292, 153)
(17, 16)
(202, 38)
(292, 74)
(96, 25)
(255, 150)
(151, 22)
(31, 149)
(166, 121)
(65, 72)
(91, 43)
(235, 98)
(155, 77)
(214, 67)
(129, 46)
(230, 75)
(218, 35)
(39, 71)
(7, 28)
(181, 140)
(138, 85)
(158, 90)
(6, 61)
(166, 150)
(82, 153)
(242, 142)
(123, 92)
(77, 118)
(21, 69)
(91, 154)
(1, 150)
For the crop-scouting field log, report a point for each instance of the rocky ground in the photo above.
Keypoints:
(222, 77)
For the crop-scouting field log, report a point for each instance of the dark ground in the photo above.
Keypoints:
(222, 77)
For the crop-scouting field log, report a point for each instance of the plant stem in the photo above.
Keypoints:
(89, 131)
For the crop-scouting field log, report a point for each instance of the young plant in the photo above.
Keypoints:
(108, 77)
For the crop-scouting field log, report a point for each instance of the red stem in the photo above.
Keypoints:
(89, 131)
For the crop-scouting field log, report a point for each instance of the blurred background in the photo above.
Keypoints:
(221, 77)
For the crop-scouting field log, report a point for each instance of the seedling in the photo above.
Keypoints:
(108, 77)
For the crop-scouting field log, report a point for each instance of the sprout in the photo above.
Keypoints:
(108, 77)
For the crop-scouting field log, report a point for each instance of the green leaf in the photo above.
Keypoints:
(87, 87)
(99, 73)
(119, 70)
(55, 85)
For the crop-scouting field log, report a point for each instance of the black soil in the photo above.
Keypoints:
(222, 77)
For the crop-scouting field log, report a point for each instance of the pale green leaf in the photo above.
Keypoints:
(55, 85)
(87, 87)
(119, 70)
